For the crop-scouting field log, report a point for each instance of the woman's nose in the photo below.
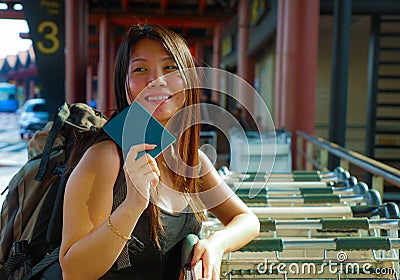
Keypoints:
(157, 80)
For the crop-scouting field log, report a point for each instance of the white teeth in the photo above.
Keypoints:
(157, 98)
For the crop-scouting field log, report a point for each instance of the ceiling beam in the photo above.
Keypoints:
(365, 7)
(11, 14)
(24, 35)
(171, 21)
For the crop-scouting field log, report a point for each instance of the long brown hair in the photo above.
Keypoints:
(189, 140)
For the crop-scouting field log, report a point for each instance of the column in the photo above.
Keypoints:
(76, 27)
(216, 60)
(245, 64)
(340, 69)
(296, 60)
(89, 82)
(103, 80)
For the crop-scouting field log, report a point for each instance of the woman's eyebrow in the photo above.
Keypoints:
(135, 59)
(167, 58)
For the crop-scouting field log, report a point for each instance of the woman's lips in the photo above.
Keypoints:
(158, 99)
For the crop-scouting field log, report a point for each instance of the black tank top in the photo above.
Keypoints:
(152, 263)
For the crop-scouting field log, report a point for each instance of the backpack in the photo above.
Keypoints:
(31, 215)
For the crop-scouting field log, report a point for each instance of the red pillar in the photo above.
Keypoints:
(297, 57)
(89, 82)
(76, 23)
(277, 112)
(245, 64)
(216, 58)
(111, 60)
(104, 67)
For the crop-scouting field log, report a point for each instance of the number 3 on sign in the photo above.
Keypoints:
(50, 31)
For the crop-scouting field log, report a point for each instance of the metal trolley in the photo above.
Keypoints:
(314, 225)
(314, 258)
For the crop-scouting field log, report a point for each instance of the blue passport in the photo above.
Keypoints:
(135, 125)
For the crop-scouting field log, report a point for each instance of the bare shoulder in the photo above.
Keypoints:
(103, 153)
(88, 196)
(206, 165)
(204, 160)
(98, 167)
(209, 175)
(104, 148)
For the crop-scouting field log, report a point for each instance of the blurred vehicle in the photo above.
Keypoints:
(8, 97)
(33, 116)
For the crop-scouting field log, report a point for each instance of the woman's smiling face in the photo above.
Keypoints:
(154, 80)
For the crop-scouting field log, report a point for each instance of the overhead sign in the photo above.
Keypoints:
(47, 31)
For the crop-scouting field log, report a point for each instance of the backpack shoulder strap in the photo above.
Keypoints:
(18, 256)
(59, 122)
(46, 262)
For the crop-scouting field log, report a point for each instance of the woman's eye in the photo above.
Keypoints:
(139, 69)
(171, 67)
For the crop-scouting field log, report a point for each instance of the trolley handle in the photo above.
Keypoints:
(188, 244)
(267, 244)
(345, 224)
(362, 243)
(388, 210)
(338, 244)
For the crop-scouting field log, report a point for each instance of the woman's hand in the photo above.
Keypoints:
(211, 255)
(141, 174)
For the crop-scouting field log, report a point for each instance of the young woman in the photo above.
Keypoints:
(120, 222)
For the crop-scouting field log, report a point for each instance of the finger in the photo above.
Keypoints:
(144, 162)
(135, 149)
(146, 175)
(152, 161)
(135, 170)
(149, 168)
(215, 273)
(198, 252)
(207, 268)
(144, 185)
(148, 160)
(153, 178)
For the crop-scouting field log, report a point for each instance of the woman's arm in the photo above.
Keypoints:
(89, 245)
(241, 225)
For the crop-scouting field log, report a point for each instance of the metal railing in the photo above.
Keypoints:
(379, 171)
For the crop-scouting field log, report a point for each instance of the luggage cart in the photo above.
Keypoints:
(307, 258)
(316, 227)
(358, 189)
(313, 220)
(264, 198)
(339, 174)
(387, 210)
(291, 185)
(314, 258)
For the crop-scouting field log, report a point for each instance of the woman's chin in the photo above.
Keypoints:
(162, 117)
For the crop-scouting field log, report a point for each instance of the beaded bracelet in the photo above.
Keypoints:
(113, 229)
